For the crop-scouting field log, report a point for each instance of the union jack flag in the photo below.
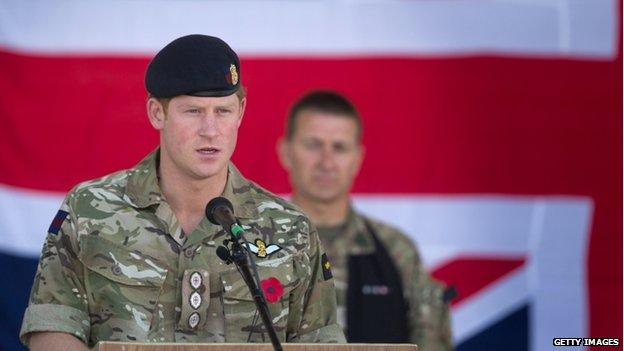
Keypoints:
(493, 132)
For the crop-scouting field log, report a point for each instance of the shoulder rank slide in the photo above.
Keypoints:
(327, 274)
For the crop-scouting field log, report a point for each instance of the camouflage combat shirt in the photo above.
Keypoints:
(116, 266)
(428, 315)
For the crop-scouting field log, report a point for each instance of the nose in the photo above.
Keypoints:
(208, 126)
(328, 158)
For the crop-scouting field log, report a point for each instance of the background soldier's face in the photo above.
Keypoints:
(323, 156)
(198, 134)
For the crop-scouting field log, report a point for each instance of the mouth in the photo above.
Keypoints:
(324, 178)
(208, 150)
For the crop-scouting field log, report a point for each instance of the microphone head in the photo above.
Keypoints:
(215, 204)
(224, 254)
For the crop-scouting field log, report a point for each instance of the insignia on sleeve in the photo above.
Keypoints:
(57, 222)
(261, 249)
(327, 274)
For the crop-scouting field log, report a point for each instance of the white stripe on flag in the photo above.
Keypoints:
(25, 216)
(445, 224)
(491, 305)
(376, 27)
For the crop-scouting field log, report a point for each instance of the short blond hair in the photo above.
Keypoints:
(241, 93)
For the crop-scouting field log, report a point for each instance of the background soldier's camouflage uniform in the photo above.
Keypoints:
(119, 268)
(428, 317)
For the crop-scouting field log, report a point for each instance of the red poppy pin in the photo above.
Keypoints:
(272, 289)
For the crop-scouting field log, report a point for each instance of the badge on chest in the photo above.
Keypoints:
(261, 249)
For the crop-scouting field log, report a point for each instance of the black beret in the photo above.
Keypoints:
(198, 65)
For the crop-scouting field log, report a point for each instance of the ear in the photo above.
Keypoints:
(242, 110)
(283, 153)
(155, 113)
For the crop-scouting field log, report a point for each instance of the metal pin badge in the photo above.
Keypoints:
(195, 280)
(195, 300)
(193, 320)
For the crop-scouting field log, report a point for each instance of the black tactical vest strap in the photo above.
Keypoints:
(376, 308)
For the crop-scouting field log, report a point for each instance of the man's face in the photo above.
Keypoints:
(197, 134)
(323, 156)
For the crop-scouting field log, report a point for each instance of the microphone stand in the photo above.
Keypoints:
(241, 258)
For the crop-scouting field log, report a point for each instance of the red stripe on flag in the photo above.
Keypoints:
(469, 275)
(437, 125)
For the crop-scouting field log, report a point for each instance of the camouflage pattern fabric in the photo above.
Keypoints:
(116, 266)
(428, 317)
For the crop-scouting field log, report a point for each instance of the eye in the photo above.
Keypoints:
(311, 145)
(192, 110)
(343, 147)
(340, 148)
(223, 111)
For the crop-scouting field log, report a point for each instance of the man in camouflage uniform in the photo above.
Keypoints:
(131, 256)
(384, 293)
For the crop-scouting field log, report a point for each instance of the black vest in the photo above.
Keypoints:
(376, 309)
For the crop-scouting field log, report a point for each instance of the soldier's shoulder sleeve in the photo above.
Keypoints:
(432, 327)
(58, 300)
(313, 306)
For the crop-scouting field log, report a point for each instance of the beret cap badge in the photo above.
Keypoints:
(233, 74)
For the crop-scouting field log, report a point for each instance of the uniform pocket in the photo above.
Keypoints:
(243, 322)
(122, 287)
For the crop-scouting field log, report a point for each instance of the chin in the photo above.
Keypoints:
(209, 172)
(325, 197)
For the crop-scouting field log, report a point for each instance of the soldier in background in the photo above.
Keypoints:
(131, 256)
(384, 294)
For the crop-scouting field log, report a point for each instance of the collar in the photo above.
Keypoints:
(143, 190)
(241, 192)
(356, 237)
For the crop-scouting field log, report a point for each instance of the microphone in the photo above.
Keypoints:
(221, 212)
(224, 254)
